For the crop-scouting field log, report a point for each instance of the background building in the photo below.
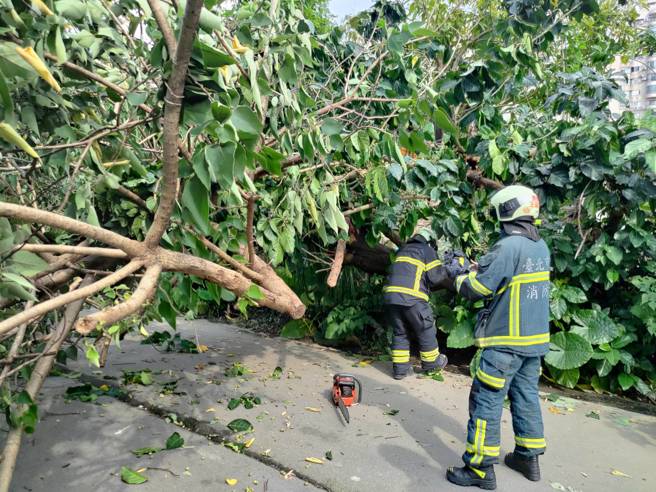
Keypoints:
(637, 77)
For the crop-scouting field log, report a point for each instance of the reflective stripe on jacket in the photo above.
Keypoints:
(514, 277)
(414, 272)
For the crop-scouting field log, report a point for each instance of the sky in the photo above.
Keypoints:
(343, 8)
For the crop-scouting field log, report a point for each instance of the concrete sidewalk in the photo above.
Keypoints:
(401, 438)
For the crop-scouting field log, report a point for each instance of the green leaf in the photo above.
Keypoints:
(22, 281)
(27, 263)
(650, 160)
(213, 58)
(573, 294)
(6, 100)
(174, 441)
(461, 336)
(145, 451)
(92, 355)
(240, 425)
(596, 326)
(567, 378)
(626, 381)
(296, 329)
(254, 292)
(277, 373)
(636, 147)
(131, 477)
(195, 198)
(444, 122)
(234, 403)
(246, 122)
(220, 112)
(146, 378)
(614, 254)
(568, 351)
(331, 126)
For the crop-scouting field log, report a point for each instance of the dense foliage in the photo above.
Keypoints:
(353, 134)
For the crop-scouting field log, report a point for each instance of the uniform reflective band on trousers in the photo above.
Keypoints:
(479, 441)
(514, 341)
(406, 290)
(400, 356)
(429, 356)
(487, 450)
(478, 472)
(477, 286)
(490, 380)
(529, 442)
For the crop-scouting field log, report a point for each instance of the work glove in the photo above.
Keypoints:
(456, 263)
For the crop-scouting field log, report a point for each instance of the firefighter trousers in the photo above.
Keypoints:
(407, 321)
(499, 374)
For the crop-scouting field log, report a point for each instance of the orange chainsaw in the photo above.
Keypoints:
(347, 391)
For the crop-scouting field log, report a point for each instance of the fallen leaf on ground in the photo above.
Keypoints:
(211, 409)
(174, 441)
(145, 451)
(593, 415)
(132, 477)
(363, 363)
(585, 474)
(558, 486)
(329, 455)
(104, 387)
(617, 473)
(143, 331)
(394, 411)
(201, 348)
(313, 409)
(289, 475)
(249, 443)
(557, 410)
(231, 481)
(314, 460)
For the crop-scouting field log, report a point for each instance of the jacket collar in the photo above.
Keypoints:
(520, 227)
(418, 238)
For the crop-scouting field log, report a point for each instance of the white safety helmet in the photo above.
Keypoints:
(514, 201)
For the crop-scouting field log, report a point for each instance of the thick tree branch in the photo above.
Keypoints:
(336, 268)
(143, 293)
(171, 121)
(32, 215)
(163, 24)
(69, 297)
(476, 176)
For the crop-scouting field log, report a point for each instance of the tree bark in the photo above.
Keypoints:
(135, 304)
(336, 268)
(171, 121)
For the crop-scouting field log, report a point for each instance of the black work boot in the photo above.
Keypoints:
(439, 364)
(527, 466)
(401, 374)
(473, 477)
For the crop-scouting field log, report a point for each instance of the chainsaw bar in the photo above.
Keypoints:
(344, 410)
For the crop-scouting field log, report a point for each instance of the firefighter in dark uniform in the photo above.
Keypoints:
(513, 331)
(415, 271)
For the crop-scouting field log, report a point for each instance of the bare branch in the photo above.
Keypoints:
(336, 268)
(20, 334)
(69, 297)
(76, 250)
(135, 304)
(34, 215)
(163, 24)
(170, 123)
(250, 213)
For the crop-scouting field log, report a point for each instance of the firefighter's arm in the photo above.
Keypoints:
(485, 281)
(436, 274)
